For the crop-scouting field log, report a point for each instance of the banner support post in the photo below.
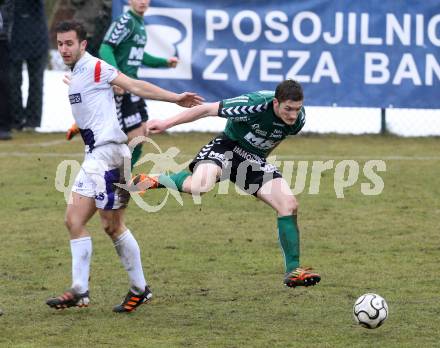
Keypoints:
(383, 121)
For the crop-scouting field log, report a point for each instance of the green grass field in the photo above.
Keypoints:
(216, 269)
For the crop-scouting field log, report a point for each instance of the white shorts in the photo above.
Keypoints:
(100, 170)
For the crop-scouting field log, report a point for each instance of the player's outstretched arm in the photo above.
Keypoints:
(155, 62)
(195, 113)
(150, 91)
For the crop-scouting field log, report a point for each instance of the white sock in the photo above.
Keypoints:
(81, 250)
(128, 250)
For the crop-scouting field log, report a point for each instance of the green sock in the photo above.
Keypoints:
(288, 234)
(174, 180)
(136, 154)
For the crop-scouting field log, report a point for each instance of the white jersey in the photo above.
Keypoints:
(92, 101)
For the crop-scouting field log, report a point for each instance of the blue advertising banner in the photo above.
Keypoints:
(345, 53)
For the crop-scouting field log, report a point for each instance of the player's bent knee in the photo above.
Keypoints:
(112, 221)
(111, 232)
(289, 206)
(72, 225)
(112, 228)
(68, 223)
(204, 178)
(200, 190)
(201, 187)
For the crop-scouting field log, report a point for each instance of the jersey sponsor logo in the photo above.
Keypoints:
(276, 133)
(218, 156)
(135, 56)
(79, 70)
(75, 98)
(100, 196)
(260, 143)
(132, 120)
(261, 132)
(251, 157)
(257, 130)
(134, 62)
(140, 40)
(269, 168)
(240, 118)
(136, 53)
(276, 136)
(170, 34)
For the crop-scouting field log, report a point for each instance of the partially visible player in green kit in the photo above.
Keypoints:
(123, 47)
(256, 124)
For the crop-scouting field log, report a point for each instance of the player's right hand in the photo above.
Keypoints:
(172, 62)
(189, 99)
(156, 126)
(72, 131)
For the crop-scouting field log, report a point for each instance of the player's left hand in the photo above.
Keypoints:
(189, 99)
(172, 62)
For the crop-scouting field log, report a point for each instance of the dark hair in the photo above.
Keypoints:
(289, 90)
(77, 27)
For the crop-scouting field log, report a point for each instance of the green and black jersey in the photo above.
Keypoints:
(253, 124)
(128, 38)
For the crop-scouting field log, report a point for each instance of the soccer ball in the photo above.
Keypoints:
(370, 311)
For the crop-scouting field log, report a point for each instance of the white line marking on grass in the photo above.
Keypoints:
(39, 154)
(278, 157)
(357, 157)
(46, 143)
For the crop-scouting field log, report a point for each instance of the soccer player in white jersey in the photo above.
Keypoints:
(93, 105)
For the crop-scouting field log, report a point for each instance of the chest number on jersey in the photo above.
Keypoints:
(136, 53)
(258, 142)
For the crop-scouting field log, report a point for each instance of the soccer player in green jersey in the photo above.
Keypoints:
(256, 123)
(123, 47)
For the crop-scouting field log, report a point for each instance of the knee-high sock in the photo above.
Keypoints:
(174, 180)
(81, 250)
(128, 250)
(136, 154)
(288, 234)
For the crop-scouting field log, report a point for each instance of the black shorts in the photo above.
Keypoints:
(131, 111)
(247, 170)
